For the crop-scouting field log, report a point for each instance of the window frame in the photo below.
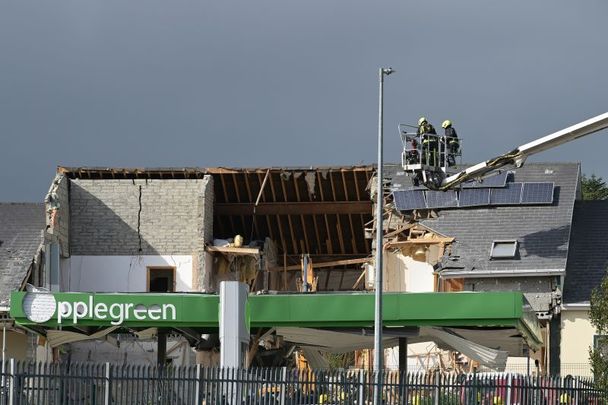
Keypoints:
(150, 269)
(515, 249)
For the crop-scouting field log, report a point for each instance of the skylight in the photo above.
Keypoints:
(503, 249)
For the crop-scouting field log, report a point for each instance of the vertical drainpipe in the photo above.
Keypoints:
(52, 267)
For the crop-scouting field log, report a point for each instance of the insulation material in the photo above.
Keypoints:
(247, 269)
(310, 179)
(494, 359)
(315, 359)
(342, 342)
(243, 267)
(332, 341)
(57, 338)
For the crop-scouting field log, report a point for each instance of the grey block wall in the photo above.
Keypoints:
(537, 290)
(202, 260)
(139, 217)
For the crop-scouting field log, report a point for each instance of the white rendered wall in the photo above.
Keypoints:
(122, 273)
(402, 273)
(420, 276)
(577, 338)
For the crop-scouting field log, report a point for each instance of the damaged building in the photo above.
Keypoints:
(510, 232)
(184, 230)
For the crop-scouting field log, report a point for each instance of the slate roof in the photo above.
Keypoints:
(21, 226)
(542, 231)
(588, 257)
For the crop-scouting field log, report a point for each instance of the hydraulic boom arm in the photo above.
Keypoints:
(519, 155)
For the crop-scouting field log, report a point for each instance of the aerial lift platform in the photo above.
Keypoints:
(434, 168)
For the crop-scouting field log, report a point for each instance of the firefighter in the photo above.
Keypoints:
(428, 137)
(424, 127)
(451, 142)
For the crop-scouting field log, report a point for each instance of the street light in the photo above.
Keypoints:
(378, 349)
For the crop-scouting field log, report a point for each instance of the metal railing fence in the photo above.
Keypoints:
(105, 384)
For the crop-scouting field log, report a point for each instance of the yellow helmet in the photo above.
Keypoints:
(446, 123)
(421, 120)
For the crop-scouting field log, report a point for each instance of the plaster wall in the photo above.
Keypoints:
(577, 338)
(402, 273)
(123, 273)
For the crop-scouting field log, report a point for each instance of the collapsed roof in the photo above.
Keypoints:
(319, 211)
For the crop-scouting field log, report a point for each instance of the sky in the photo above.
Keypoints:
(241, 83)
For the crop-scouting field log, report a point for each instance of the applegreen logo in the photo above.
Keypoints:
(39, 307)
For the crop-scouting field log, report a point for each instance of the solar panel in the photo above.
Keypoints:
(497, 180)
(408, 200)
(472, 197)
(537, 193)
(441, 199)
(508, 195)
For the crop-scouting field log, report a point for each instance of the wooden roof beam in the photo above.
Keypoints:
(295, 208)
(320, 265)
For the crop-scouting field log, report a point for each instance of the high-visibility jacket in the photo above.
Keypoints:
(426, 128)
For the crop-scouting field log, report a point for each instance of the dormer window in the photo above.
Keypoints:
(503, 249)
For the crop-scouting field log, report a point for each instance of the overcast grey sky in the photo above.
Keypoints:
(288, 83)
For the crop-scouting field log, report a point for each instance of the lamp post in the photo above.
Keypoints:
(378, 349)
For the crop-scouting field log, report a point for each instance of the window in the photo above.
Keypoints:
(161, 279)
(503, 249)
(600, 342)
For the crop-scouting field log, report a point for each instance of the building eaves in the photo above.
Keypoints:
(184, 172)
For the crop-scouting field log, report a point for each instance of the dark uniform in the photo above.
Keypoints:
(452, 144)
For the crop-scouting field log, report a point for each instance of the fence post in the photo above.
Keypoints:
(283, 385)
(437, 387)
(509, 385)
(361, 386)
(107, 386)
(197, 385)
(11, 379)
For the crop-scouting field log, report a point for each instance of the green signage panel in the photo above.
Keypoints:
(101, 309)
(462, 309)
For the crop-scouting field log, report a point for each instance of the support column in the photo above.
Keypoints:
(161, 349)
(234, 330)
(403, 368)
(403, 355)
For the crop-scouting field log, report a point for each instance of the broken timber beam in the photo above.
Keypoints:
(233, 250)
(420, 241)
(323, 264)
